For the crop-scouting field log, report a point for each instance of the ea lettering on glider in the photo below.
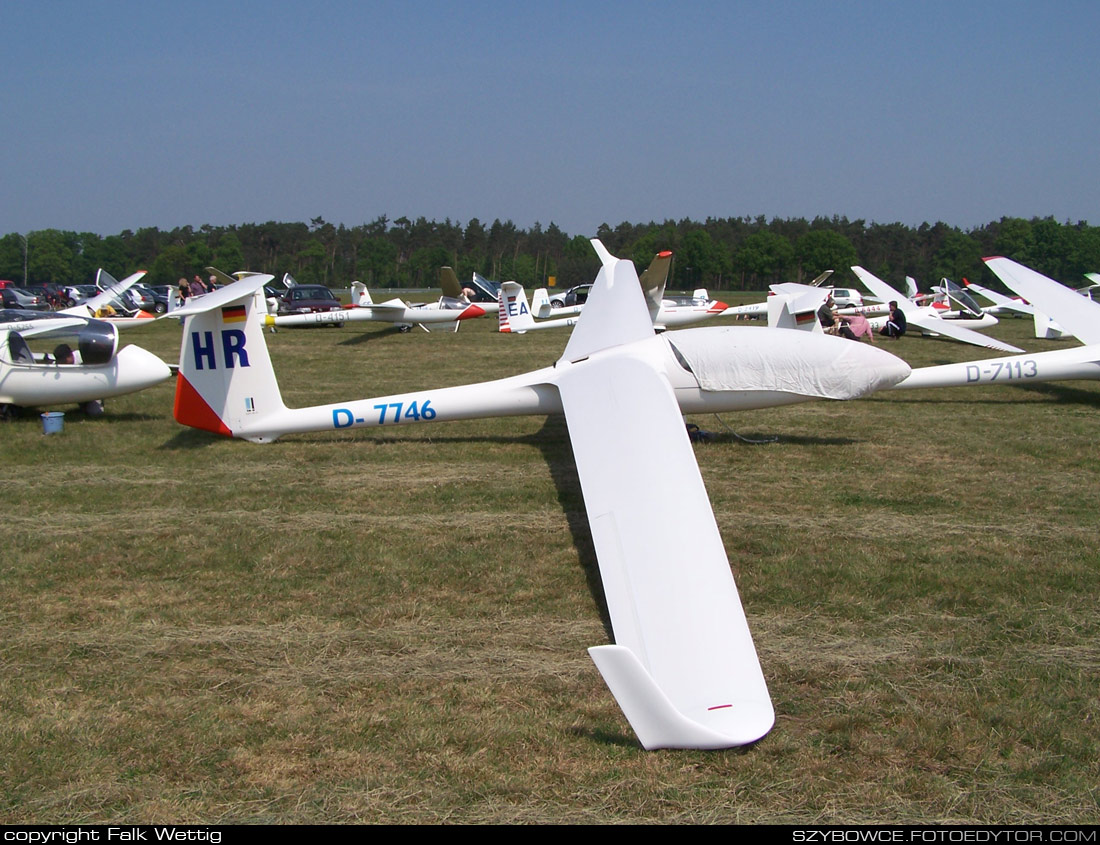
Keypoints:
(232, 349)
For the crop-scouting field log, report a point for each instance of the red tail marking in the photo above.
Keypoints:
(191, 409)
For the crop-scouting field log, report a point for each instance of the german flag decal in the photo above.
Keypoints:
(233, 314)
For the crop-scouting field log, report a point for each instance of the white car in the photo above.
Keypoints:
(847, 298)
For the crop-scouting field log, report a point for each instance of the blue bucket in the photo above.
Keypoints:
(53, 422)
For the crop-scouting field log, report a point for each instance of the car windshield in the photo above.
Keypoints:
(311, 292)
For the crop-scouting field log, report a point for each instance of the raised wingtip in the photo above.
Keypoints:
(664, 254)
(992, 257)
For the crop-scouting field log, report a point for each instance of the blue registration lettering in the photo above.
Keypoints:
(203, 350)
(233, 345)
(342, 418)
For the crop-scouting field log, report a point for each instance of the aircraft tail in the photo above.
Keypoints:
(360, 295)
(540, 304)
(449, 283)
(653, 281)
(226, 382)
(514, 316)
(1047, 328)
(795, 306)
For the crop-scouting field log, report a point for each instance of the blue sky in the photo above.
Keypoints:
(123, 115)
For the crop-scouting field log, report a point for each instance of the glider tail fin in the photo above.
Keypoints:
(540, 304)
(226, 383)
(514, 316)
(360, 295)
(449, 284)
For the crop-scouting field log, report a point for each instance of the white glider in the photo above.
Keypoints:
(515, 317)
(925, 318)
(1078, 315)
(683, 667)
(444, 314)
(112, 292)
(99, 370)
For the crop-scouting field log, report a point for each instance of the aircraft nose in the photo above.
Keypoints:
(470, 311)
(867, 368)
(138, 368)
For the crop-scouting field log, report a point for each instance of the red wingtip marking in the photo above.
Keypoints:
(991, 257)
(471, 311)
(718, 306)
(664, 254)
(191, 409)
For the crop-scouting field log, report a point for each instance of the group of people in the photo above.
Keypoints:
(196, 287)
(856, 326)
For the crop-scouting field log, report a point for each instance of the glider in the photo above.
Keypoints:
(98, 369)
(683, 667)
(925, 318)
(112, 294)
(451, 308)
(1079, 316)
(756, 310)
(515, 317)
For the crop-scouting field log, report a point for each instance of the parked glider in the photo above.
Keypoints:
(1079, 316)
(683, 667)
(98, 370)
(925, 318)
(444, 314)
(516, 317)
(112, 297)
(480, 291)
(68, 320)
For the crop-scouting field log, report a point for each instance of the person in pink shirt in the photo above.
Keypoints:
(859, 327)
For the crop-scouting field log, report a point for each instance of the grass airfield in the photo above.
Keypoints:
(390, 625)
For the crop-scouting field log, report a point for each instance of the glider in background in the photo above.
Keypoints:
(516, 317)
(430, 316)
(925, 318)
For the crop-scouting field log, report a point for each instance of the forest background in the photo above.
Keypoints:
(739, 253)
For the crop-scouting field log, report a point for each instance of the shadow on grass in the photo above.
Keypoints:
(364, 337)
(553, 441)
(191, 438)
(1064, 393)
(604, 737)
(1055, 392)
(759, 438)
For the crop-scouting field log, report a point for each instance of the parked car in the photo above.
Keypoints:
(847, 298)
(78, 293)
(154, 299)
(306, 299)
(574, 296)
(14, 297)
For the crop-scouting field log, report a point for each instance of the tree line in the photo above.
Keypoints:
(733, 253)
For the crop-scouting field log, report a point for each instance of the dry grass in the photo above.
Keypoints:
(390, 626)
